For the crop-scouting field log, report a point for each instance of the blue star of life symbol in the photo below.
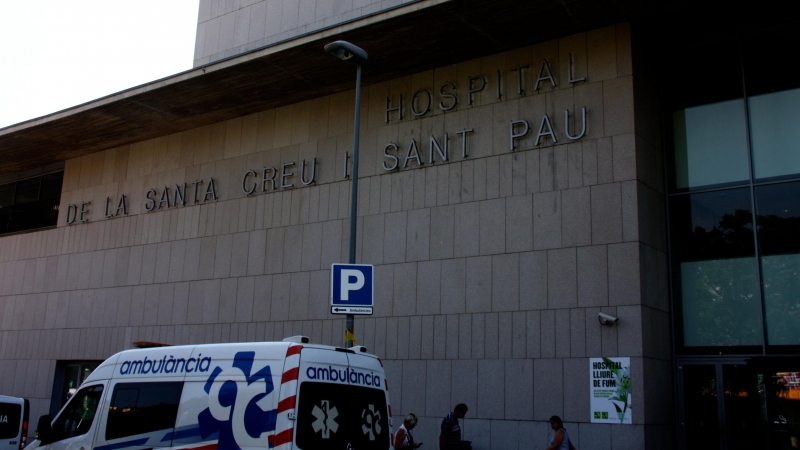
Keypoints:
(236, 409)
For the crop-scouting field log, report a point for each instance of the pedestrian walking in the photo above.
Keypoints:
(560, 440)
(403, 438)
(450, 435)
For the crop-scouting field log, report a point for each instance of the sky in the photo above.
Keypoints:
(55, 54)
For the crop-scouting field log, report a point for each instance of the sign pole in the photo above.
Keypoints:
(349, 325)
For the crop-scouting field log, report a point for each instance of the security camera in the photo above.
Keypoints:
(606, 319)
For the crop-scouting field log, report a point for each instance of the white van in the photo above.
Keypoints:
(13, 422)
(281, 395)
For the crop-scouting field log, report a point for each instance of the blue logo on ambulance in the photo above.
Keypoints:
(238, 409)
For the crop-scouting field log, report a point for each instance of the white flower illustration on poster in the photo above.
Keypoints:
(610, 390)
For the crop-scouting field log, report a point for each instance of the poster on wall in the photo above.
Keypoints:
(610, 390)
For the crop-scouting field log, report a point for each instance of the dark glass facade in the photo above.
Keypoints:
(733, 203)
(30, 203)
(734, 214)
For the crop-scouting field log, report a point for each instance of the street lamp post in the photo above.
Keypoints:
(351, 53)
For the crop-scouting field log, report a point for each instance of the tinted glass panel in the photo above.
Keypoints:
(768, 54)
(700, 407)
(138, 408)
(77, 417)
(10, 415)
(712, 225)
(7, 194)
(707, 119)
(341, 416)
(27, 191)
(781, 275)
(775, 133)
(30, 204)
(710, 145)
(720, 303)
(51, 186)
(714, 252)
(742, 398)
(778, 208)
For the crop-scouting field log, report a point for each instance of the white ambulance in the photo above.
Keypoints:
(13, 422)
(260, 395)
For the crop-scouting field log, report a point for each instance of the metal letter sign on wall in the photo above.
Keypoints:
(352, 288)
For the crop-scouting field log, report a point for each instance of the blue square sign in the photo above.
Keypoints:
(352, 288)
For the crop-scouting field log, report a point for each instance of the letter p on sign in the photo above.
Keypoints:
(352, 280)
(351, 285)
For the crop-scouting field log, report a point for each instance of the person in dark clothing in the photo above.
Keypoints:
(450, 435)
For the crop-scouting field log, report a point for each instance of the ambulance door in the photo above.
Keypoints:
(11, 412)
(333, 404)
(75, 426)
(372, 404)
(139, 414)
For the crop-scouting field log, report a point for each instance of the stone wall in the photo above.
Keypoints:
(230, 27)
(490, 269)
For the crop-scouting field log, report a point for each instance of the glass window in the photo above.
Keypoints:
(77, 417)
(778, 207)
(7, 194)
(708, 124)
(710, 144)
(783, 408)
(138, 408)
(51, 186)
(31, 203)
(74, 375)
(333, 415)
(743, 418)
(27, 191)
(701, 419)
(775, 133)
(714, 252)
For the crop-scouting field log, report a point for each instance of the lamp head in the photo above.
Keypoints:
(346, 52)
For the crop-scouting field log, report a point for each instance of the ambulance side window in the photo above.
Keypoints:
(138, 408)
(77, 417)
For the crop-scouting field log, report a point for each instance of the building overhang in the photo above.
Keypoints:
(408, 39)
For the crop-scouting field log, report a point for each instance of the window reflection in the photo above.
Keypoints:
(742, 402)
(714, 251)
(720, 303)
(775, 133)
(77, 417)
(710, 145)
(700, 405)
(783, 397)
(30, 203)
(778, 208)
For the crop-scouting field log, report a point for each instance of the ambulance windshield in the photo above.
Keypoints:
(339, 416)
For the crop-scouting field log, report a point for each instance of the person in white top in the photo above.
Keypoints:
(403, 438)
(560, 440)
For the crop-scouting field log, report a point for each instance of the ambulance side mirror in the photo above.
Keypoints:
(43, 430)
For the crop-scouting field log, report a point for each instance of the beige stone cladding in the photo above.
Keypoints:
(229, 27)
(490, 269)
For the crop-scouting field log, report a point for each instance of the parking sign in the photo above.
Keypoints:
(352, 288)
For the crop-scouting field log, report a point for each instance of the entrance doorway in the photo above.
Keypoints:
(732, 404)
(68, 377)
